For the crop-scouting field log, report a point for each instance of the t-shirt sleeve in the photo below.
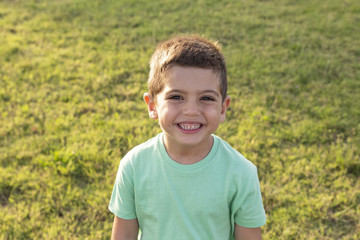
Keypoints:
(250, 213)
(122, 202)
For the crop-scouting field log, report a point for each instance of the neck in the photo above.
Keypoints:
(188, 154)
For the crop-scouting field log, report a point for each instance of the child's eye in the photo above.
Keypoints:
(175, 97)
(206, 98)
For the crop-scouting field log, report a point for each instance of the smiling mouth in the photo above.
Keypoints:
(189, 126)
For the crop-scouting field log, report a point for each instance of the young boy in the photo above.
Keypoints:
(187, 183)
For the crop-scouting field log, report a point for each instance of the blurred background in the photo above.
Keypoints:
(72, 75)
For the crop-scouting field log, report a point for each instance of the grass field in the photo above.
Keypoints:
(72, 75)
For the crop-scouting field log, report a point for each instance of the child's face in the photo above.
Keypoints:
(189, 108)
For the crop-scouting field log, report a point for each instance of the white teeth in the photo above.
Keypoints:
(187, 126)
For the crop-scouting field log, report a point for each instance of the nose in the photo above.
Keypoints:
(191, 108)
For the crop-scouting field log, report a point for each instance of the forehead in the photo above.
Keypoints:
(191, 77)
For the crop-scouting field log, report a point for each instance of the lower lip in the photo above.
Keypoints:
(191, 131)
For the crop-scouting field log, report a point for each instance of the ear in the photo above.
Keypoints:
(150, 103)
(224, 108)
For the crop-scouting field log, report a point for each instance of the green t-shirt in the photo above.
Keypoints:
(197, 201)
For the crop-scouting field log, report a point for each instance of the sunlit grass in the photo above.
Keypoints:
(72, 75)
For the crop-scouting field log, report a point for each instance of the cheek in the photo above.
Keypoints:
(166, 113)
(213, 111)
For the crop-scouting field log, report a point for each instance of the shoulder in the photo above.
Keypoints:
(234, 161)
(141, 152)
(145, 147)
(235, 166)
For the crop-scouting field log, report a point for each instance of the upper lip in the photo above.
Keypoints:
(189, 122)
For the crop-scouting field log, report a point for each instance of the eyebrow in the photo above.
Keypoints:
(205, 91)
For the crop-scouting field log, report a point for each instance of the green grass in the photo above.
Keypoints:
(72, 75)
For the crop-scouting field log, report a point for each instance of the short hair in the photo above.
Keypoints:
(186, 50)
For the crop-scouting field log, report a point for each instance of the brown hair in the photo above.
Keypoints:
(186, 50)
